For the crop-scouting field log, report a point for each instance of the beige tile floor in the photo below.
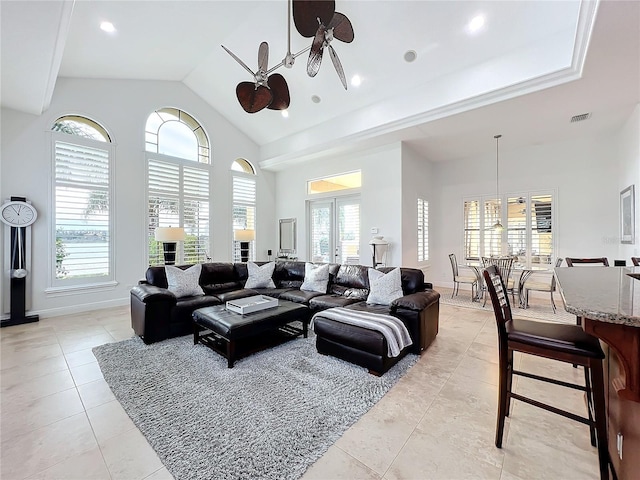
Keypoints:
(59, 420)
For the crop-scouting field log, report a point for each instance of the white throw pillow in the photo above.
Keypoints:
(184, 283)
(316, 278)
(384, 288)
(260, 277)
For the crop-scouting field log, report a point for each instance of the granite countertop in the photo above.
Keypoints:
(606, 294)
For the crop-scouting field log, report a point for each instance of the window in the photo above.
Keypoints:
(528, 233)
(334, 230)
(82, 232)
(178, 171)
(423, 230)
(244, 205)
(335, 183)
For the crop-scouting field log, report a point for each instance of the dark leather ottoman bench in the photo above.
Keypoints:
(233, 335)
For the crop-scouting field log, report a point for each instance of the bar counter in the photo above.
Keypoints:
(608, 301)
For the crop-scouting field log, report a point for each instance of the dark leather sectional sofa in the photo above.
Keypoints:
(156, 314)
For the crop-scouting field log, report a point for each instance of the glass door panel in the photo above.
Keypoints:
(321, 250)
(335, 231)
(348, 246)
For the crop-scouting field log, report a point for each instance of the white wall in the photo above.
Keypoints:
(122, 107)
(417, 179)
(628, 143)
(584, 173)
(380, 207)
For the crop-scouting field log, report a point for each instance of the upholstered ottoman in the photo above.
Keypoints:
(233, 335)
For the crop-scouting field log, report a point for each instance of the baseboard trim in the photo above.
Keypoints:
(80, 308)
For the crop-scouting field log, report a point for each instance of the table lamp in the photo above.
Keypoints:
(379, 248)
(169, 236)
(244, 236)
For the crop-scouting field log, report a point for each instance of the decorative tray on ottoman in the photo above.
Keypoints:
(251, 304)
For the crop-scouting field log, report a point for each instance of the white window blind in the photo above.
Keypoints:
(528, 233)
(82, 212)
(349, 232)
(178, 195)
(472, 230)
(423, 230)
(244, 211)
(492, 245)
(320, 233)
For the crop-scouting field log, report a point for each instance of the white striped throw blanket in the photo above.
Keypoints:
(392, 328)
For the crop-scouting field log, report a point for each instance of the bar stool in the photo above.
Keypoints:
(565, 343)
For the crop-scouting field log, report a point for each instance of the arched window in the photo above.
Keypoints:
(242, 165)
(244, 204)
(178, 175)
(82, 193)
(172, 132)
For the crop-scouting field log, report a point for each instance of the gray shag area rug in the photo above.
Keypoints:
(269, 417)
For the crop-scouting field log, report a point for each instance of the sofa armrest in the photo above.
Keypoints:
(416, 301)
(151, 309)
(150, 293)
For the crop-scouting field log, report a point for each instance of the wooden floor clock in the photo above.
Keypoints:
(18, 215)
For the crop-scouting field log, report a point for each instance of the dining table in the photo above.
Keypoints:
(606, 300)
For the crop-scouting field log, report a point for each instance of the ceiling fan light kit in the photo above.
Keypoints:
(315, 19)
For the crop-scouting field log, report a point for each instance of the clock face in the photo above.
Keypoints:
(18, 214)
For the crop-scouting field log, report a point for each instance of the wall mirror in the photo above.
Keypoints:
(287, 235)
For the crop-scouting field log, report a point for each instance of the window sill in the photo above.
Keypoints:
(80, 289)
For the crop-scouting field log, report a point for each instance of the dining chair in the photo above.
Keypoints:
(504, 266)
(541, 286)
(635, 261)
(580, 261)
(458, 279)
(561, 342)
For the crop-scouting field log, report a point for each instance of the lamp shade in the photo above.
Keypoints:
(379, 248)
(169, 234)
(244, 235)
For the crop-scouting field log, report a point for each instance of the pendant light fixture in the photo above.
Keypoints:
(497, 226)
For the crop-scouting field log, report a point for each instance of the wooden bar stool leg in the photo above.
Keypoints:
(509, 381)
(590, 409)
(597, 384)
(502, 397)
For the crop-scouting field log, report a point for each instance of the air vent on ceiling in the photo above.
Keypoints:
(580, 118)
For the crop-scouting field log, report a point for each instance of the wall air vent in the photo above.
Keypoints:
(581, 117)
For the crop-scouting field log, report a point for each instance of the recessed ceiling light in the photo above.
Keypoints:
(410, 56)
(356, 80)
(476, 24)
(315, 99)
(107, 27)
(285, 113)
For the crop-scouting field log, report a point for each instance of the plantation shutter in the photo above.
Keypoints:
(472, 230)
(178, 197)
(423, 230)
(541, 230)
(517, 227)
(82, 205)
(492, 237)
(320, 233)
(349, 232)
(244, 211)
(195, 214)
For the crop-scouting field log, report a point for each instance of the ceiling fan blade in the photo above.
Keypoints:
(338, 65)
(253, 98)
(307, 12)
(315, 56)
(263, 56)
(280, 91)
(342, 28)
(238, 60)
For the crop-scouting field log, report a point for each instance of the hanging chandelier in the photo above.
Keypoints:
(313, 19)
(497, 226)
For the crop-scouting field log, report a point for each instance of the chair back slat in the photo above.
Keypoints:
(454, 264)
(600, 260)
(559, 261)
(636, 261)
(499, 299)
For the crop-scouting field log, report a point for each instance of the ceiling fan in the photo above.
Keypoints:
(313, 18)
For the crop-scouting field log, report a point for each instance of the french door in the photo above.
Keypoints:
(334, 230)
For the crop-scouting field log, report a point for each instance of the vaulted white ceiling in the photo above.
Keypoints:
(531, 67)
